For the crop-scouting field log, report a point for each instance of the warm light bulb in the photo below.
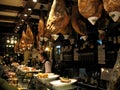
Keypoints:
(12, 41)
(47, 49)
(25, 15)
(9, 45)
(8, 41)
(15, 41)
(18, 27)
(29, 9)
(6, 45)
(12, 45)
(102, 69)
(34, 0)
(22, 20)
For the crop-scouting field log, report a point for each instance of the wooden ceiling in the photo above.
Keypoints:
(11, 12)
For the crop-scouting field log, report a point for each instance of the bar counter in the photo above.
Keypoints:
(75, 86)
(47, 83)
(55, 84)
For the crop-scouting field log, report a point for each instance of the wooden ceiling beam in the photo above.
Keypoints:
(20, 9)
(8, 18)
(7, 7)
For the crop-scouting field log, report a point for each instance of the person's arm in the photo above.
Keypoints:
(48, 67)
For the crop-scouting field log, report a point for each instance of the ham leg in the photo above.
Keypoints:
(90, 9)
(29, 35)
(78, 25)
(58, 18)
(113, 8)
(41, 27)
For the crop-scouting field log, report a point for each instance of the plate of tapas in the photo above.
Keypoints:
(63, 81)
(47, 76)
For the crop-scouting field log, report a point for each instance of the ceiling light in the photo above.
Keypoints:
(15, 41)
(22, 20)
(12, 45)
(16, 31)
(12, 42)
(18, 27)
(34, 0)
(9, 45)
(25, 15)
(8, 41)
(20, 24)
(6, 45)
(47, 49)
(29, 9)
(15, 37)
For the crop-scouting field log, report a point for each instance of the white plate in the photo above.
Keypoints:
(50, 77)
(50, 74)
(58, 83)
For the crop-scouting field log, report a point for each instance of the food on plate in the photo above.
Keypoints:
(33, 69)
(65, 80)
(11, 74)
(15, 64)
(26, 68)
(42, 75)
(29, 69)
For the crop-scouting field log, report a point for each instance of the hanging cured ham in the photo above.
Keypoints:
(113, 8)
(22, 44)
(90, 9)
(29, 35)
(23, 38)
(78, 25)
(40, 31)
(41, 27)
(42, 34)
(58, 18)
(68, 29)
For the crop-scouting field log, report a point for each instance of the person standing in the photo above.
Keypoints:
(45, 63)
